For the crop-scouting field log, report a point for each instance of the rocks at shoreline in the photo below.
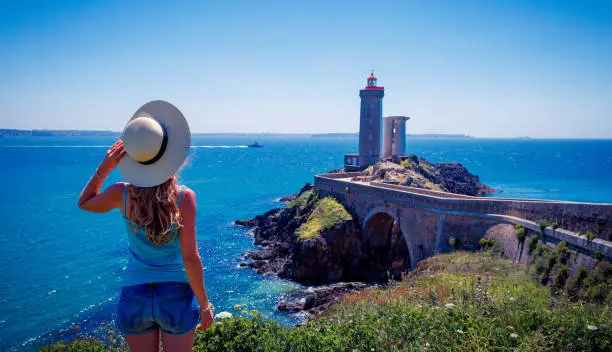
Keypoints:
(316, 300)
(287, 199)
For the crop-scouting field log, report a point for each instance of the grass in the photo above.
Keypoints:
(325, 215)
(301, 202)
(453, 302)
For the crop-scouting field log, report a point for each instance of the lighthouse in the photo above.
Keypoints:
(370, 122)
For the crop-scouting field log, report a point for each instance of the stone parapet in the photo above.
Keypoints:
(572, 217)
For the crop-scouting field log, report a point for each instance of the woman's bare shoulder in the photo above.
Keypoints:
(189, 197)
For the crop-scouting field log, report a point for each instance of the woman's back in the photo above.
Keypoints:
(148, 262)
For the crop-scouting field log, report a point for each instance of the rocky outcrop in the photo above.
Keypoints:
(310, 240)
(418, 172)
(316, 300)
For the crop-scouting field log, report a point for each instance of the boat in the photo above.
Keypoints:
(255, 145)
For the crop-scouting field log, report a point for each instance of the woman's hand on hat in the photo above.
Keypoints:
(112, 158)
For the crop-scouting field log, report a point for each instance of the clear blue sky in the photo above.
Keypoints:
(487, 68)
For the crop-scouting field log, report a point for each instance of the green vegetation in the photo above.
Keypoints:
(489, 245)
(591, 236)
(542, 224)
(550, 267)
(454, 243)
(301, 202)
(326, 214)
(90, 345)
(533, 243)
(454, 302)
(554, 226)
(520, 233)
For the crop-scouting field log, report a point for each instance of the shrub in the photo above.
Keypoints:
(562, 252)
(598, 256)
(540, 250)
(591, 236)
(489, 245)
(554, 226)
(542, 224)
(76, 346)
(560, 277)
(599, 283)
(533, 243)
(454, 243)
(520, 233)
(575, 284)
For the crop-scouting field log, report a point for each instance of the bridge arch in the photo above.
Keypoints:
(387, 244)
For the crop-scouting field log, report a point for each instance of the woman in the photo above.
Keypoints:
(164, 275)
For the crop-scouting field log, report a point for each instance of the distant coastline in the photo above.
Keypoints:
(88, 133)
(54, 133)
(6, 132)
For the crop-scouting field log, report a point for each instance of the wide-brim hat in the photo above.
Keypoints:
(157, 141)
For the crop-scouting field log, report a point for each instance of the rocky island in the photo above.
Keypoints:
(314, 240)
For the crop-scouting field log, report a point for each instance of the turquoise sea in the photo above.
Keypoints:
(60, 265)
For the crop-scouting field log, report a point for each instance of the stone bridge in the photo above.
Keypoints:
(428, 219)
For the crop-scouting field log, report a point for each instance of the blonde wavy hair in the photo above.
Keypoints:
(154, 209)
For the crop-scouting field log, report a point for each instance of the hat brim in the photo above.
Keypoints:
(177, 149)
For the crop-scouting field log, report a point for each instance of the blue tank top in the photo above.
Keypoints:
(148, 263)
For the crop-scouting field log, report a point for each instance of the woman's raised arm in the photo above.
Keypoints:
(91, 199)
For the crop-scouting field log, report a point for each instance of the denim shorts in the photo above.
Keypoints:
(168, 306)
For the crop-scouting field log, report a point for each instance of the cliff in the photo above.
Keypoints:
(312, 240)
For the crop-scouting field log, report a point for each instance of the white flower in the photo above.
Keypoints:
(460, 331)
(510, 327)
(427, 344)
(512, 298)
(223, 315)
(514, 335)
(592, 327)
(449, 305)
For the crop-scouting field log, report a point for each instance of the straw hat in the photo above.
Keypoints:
(156, 140)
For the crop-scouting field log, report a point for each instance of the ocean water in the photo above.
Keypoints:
(60, 265)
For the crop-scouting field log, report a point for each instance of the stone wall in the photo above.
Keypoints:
(428, 218)
(573, 216)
